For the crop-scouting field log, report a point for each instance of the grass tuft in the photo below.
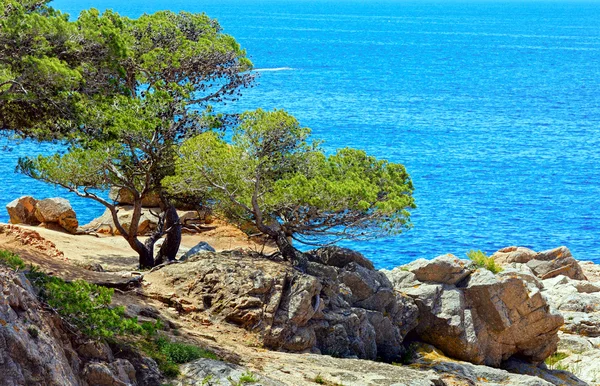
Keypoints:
(11, 260)
(483, 261)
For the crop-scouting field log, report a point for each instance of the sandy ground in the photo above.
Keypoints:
(114, 254)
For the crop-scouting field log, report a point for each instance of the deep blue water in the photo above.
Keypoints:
(493, 107)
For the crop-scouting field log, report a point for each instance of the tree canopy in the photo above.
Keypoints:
(271, 174)
(147, 84)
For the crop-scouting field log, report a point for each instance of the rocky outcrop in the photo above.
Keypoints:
(147, 224)
(206, 372)
(105, 224)
(48, 212)
(123, 196)
(477, 316)
(36, 347)
(578, 301)
(22, 211)
(349, 311)
(545, 264)
(57, 210)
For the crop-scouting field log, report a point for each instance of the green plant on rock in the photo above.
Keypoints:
(11, 260)
(84, 306)
(246, 378)
(482, 260)
(169, 355)
(552, 360)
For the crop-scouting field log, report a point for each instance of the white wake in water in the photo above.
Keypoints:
(273, 69)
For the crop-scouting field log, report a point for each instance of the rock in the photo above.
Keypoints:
(202, 246)
(204, 372)
(590, 270)
(104, 224)
(57, 210)
(349, 312)
(486, 319)
(146, 369)
(96, 350)
(574, 343)
(117, 373)
(453, 372)
(28, 357)
(37, 348)
(339, 257)
(447, 269)
(578, 302)
(22, 211)
(123, 196)
(545, 264)
(514, 255)
(554, 377)
(400, 277)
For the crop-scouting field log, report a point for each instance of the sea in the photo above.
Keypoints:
(492, 106)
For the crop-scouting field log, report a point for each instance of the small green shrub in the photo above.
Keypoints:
(553, 359)
(84, 306)
(11, 260)
(181, 352)
(319, 379)
(168, 355)
(245, 379)
(483, 261)
(33, 332)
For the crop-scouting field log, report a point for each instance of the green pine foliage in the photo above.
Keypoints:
(272, 173)
(483, 261)
(84, 306)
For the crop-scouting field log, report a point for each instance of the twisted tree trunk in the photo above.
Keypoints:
(172, 227)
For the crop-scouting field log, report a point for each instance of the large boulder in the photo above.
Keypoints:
(123, 196)
(22, 211)
(446, 269)
(147, 223)
(349, 312)
(545, 264)
(483, 318)
(339, 257)
(57, 210)
(105, 224)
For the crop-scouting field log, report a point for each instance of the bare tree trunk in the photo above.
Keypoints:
(145, 252)
(170, 246)
(290, 253)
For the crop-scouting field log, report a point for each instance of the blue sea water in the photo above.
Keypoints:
(494, 108)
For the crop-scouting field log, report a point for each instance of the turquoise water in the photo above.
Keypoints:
(494, 108)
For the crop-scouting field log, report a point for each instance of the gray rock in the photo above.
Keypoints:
(202, 246)
(554, 377)
(576, 344)
(446, 269)
(339, 257)
(348, 312)
(400, 277)
(452, 372)
(578, 302)
(545, 264)
(209, 372)
(513, 255)
(487, 318)
(122, 196)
